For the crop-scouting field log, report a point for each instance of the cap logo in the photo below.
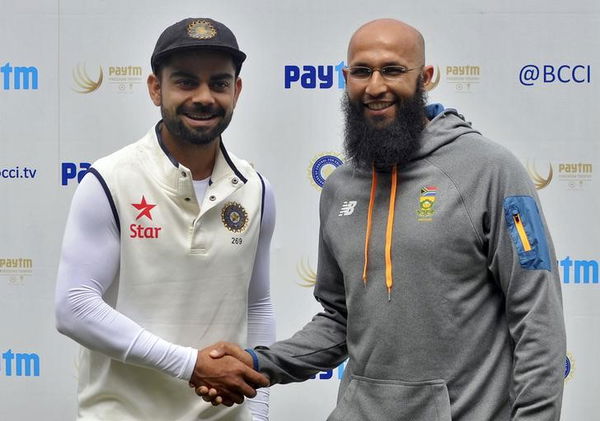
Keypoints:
(201, 29)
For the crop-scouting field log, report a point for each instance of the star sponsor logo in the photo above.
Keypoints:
(137, 230)
(144, 208)
(306, 273)
(569, 367)
(321, 167)
(119, 78)
(16, 270)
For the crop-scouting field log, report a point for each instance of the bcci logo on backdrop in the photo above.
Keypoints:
(121, 79)
(322, 166)
(572, 175)
(16, 269)
(569, 367)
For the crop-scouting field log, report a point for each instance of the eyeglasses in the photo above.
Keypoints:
(392, 73)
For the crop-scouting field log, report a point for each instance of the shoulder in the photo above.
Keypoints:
(129, 153)
(472, 159)
(342, 175)
(239, 165)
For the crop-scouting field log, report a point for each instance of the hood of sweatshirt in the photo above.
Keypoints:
(445, 125)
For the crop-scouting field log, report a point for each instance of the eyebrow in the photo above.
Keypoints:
(389, 63)
(218, 76)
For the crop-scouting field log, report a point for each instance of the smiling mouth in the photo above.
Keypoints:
(200, 116)
(376, 106)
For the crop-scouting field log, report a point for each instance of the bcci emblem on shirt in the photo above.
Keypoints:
(426, 202)
(234, 217)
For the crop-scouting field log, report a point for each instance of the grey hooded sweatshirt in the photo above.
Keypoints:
(464, 321)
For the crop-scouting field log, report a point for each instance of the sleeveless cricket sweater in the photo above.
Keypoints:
(184, 273)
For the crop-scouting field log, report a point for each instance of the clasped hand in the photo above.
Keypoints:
(223, 375)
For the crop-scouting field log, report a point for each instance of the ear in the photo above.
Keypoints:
(427, 74)
(154, 89)
(238, 89)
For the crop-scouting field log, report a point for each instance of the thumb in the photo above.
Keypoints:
(217, 353)
(221, 349)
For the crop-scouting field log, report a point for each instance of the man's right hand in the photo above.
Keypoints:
(230, 377)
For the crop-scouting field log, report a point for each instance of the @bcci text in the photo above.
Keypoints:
(17, 172)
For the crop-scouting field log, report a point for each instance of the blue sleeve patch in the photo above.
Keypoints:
(527, 232)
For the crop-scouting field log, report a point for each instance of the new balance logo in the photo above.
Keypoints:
(347, 208)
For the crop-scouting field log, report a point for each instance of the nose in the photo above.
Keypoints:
(203, 95)
(376, 85)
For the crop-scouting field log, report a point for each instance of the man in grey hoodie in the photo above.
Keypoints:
(437, 274)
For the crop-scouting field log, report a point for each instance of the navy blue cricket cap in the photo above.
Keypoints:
(197, 33)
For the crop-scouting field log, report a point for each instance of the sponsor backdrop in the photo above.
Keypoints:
(72, 89)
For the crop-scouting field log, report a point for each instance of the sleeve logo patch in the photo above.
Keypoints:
(525, 227)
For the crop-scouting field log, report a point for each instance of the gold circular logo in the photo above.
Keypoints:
(201, 29)
(234, 217)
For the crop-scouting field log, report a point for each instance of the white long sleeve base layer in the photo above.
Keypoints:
(89, 262)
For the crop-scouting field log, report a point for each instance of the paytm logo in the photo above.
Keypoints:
(576, 271)
(71, 171)
(531, 74)
(19, 77)
(20, 364)
(313, 77)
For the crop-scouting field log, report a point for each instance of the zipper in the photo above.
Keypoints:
(521, 231)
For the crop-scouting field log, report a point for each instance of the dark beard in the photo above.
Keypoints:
(178, 129)
(387, 146)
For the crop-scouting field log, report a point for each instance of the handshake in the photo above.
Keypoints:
(223, 375)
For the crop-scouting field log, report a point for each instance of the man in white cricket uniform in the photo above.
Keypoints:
(166, 249)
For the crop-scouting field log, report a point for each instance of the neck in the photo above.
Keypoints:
(200, 159)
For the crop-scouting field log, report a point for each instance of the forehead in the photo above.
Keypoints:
(199, 61)
(380, 47)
